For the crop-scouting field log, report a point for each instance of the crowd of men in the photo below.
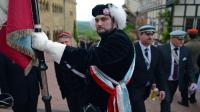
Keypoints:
(116, 75)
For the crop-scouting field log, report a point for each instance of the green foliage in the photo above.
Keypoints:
(83, 26)
(90, 35)
(166, 17)
(85, 30)
(129, 29)
(165, 36)
(176, 2)
(75, 35)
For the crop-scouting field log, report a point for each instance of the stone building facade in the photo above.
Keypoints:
(57, 16)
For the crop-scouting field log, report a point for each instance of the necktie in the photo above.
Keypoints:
(146, 53)
(176, 66)
(147, 57)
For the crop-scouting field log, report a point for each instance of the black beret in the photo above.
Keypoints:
(99, 10)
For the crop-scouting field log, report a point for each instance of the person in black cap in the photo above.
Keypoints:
(193, 45)
(148, 70)
(178, 68)
(111, 62)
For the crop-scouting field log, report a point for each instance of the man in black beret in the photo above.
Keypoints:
(111, 62)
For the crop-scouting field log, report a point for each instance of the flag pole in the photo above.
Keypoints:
(42, 65)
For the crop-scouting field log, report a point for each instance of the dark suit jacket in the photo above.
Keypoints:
(154, 74)
(185, 64)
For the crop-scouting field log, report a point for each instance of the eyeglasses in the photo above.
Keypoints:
(149, 33)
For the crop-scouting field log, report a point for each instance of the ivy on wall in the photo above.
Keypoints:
(167, 27)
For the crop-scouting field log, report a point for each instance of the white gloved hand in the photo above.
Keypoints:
(39, 41)
(193, 87)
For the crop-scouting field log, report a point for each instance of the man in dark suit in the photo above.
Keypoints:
(178, 69)
(147, 71)
(24, 89)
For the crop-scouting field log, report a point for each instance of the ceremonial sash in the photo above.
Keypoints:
(75, 71)
(119, 98)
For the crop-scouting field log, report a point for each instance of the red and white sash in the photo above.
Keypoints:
(119, 98)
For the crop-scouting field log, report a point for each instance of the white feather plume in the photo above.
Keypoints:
(119, 16)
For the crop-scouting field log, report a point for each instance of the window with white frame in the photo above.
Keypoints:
(191, 10)
(179, 10)
(190, 1)
(197, 1)
(181, 1)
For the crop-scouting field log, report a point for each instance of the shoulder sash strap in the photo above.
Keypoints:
(119, 98)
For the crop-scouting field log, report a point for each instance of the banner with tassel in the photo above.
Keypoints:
(15, 32)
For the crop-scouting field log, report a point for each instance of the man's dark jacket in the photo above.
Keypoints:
(113, 56)
(138, 88)
(185, 64)
(72, 87)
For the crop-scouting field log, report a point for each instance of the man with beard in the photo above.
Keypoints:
(111, 62)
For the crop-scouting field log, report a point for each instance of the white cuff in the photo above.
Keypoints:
(193, 87)
(55, 49)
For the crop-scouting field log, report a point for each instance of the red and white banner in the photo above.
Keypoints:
(16, 25)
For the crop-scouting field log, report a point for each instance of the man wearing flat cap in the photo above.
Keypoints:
(111, 62)
(178, 68)
(147, 71)
(194, 45)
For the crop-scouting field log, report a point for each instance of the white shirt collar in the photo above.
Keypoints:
(143, 47)
(172, 46)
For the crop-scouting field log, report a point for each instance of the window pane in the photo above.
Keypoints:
(178, 21)
(198, 12)
(190, 10)
(179, 10)
(182, 1)
(197, 1)
(189, 1)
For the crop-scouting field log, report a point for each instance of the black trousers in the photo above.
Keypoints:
(25, 91)
(170, 91)
(76, 101)
(137, 98)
